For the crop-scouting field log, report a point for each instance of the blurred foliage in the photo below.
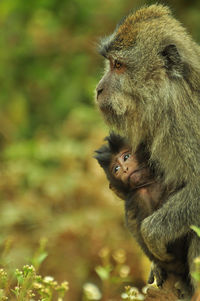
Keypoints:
(50, 186)
(29, 285)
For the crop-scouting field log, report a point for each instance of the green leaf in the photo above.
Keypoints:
(196, 275)
(196, 229)
(41, 257)
(103, 272)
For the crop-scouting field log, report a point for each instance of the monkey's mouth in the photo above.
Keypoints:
(106, 107)
(138, 179)
(135, 176)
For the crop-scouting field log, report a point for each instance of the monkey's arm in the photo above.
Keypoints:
(156, 272)
(172, 221)
(134, 224)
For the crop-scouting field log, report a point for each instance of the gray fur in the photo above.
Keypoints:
(155, 98)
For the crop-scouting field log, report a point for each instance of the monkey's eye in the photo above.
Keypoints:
(116, 168)
(117, 64)
(126, 156)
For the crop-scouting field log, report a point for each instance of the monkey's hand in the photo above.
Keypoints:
(157, 273)
(155, 239)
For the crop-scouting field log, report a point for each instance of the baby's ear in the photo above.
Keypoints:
(119, 193)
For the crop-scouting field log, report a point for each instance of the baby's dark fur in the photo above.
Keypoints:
(138, 206)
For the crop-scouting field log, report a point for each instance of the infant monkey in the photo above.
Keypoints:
(134, 181)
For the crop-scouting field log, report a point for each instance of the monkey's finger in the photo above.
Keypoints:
(160, 276)
(159, 281)
(151, 277)
(166, 257)
(161, 254)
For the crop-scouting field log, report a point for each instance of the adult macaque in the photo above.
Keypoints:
(151, 93)
(134, 181)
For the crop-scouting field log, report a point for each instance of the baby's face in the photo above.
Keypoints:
(125, 167)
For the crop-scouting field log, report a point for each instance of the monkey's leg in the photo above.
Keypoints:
(172, 221)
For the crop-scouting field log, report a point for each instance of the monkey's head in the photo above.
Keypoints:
(104, 155)
(151, 64)
(124, 170)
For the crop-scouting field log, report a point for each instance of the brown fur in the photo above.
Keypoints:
(156, 100)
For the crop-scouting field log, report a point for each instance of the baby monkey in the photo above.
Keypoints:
(134, 181)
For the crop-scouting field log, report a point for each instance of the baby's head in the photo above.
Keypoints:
(122, 168)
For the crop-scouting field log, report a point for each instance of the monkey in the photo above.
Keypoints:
(134, 181)
(151, 92)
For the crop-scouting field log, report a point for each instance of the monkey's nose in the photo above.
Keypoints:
(99, 91)
(125, 169)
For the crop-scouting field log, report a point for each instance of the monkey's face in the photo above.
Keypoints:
(142, 66)
(112, 88)
(124, 165)
(125, 168)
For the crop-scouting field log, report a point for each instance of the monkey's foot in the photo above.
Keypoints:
(172, 290)
(183, 290)
(157, 273)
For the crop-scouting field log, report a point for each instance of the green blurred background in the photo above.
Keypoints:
(50, 186)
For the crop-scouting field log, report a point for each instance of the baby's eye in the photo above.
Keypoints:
(127, 156)
(116, 168)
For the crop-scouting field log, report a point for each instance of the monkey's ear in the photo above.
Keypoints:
(117, 192)
(172, 60)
